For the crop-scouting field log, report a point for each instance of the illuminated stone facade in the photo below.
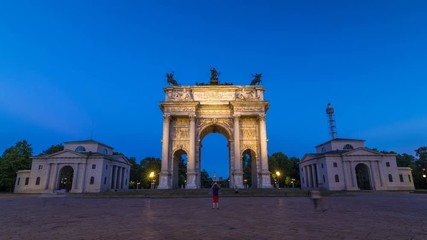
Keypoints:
(346, 164)
(83, 166)
(192, 112)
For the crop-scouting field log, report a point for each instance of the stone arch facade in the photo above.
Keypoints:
(192, 112)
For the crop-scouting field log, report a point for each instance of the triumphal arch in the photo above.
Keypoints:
(192, 112)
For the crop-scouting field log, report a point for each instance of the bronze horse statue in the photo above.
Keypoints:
(257, 79)
(170, 79)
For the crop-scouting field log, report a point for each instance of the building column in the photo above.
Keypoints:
(310, 167)
(165, 181)
(54, 178)
(265, 173)
(316, 178)
(119, 177)
(307, 176)
(191, 168)
(76, 176)
(238, 173)
(123, 178)
(111, 177)
(46, 186)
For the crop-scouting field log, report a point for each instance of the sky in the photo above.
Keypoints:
(77, 70)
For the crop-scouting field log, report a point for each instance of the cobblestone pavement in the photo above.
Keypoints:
(365, 215)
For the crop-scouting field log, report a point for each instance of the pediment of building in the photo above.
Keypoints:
(362, 152)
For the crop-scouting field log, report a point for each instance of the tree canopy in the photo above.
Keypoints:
(53, 149)
(15, 158)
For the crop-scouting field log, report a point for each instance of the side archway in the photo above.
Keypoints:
(66, 175)
(179, 167)
(249, 166)
(362, 176)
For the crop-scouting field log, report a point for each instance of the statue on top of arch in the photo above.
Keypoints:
(170, 79)
(257, 79)
(214, 77)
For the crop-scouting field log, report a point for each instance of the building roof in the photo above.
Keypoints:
(340, 140)
(89, 141)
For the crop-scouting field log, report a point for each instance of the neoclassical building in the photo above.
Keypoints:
(192, 112)
(83, 166)
(346, 164)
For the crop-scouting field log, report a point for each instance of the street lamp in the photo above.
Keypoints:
(278, 179)
(151, 176)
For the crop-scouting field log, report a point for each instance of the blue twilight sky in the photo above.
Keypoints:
(75, 70)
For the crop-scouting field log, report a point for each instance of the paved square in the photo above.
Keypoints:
(365, 215)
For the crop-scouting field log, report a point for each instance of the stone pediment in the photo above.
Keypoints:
(64, 154)
(362, 152)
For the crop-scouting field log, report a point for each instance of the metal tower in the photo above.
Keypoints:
(332, 127)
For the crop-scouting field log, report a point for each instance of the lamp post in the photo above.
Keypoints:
(425, 177)
(151, 176)
(278, 179)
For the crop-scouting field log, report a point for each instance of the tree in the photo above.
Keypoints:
(13, 159)
(405, 160)
(182, 170)
(420, 168)
(135, 172)
(52, 149)
(288, 167)
(205, 179)
(148, 165)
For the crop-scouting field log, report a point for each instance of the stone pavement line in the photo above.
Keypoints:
(364, 216)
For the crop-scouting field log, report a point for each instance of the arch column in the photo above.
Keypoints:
(191, 168)
(238, 173)
(265, 173)
(165, 178)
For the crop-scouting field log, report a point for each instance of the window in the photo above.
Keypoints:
(27, 180)
(409, 177)
(105, 180)
(323, 150)
(92, 180)
(401, 177)
(337, 178)
(324, 180)
(38, 181)
(302, 169)
(335, 164)
(387, 164)
(19, 180)
(104, 151)
(321, 165)
(106, 167)
(80, 149)
(126, 182)
(93, 166)
(348, 147)
(40, 167)
(390, 178)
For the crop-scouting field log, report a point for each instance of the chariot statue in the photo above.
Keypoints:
(170, 79)
(257, 79)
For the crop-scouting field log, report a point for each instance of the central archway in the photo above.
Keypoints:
(362, 176)
(66, 178)
(220, 162)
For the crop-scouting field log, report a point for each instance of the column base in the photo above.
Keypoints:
(165, 180)
(191, 181)
(238, 179)
(265, 179)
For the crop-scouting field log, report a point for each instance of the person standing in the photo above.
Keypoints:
(215, 195)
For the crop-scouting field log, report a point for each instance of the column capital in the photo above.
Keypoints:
(261, 117)
(166, 116)
(192, 116)
(236, 115)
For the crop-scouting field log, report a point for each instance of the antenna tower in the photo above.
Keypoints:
(332, 127)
